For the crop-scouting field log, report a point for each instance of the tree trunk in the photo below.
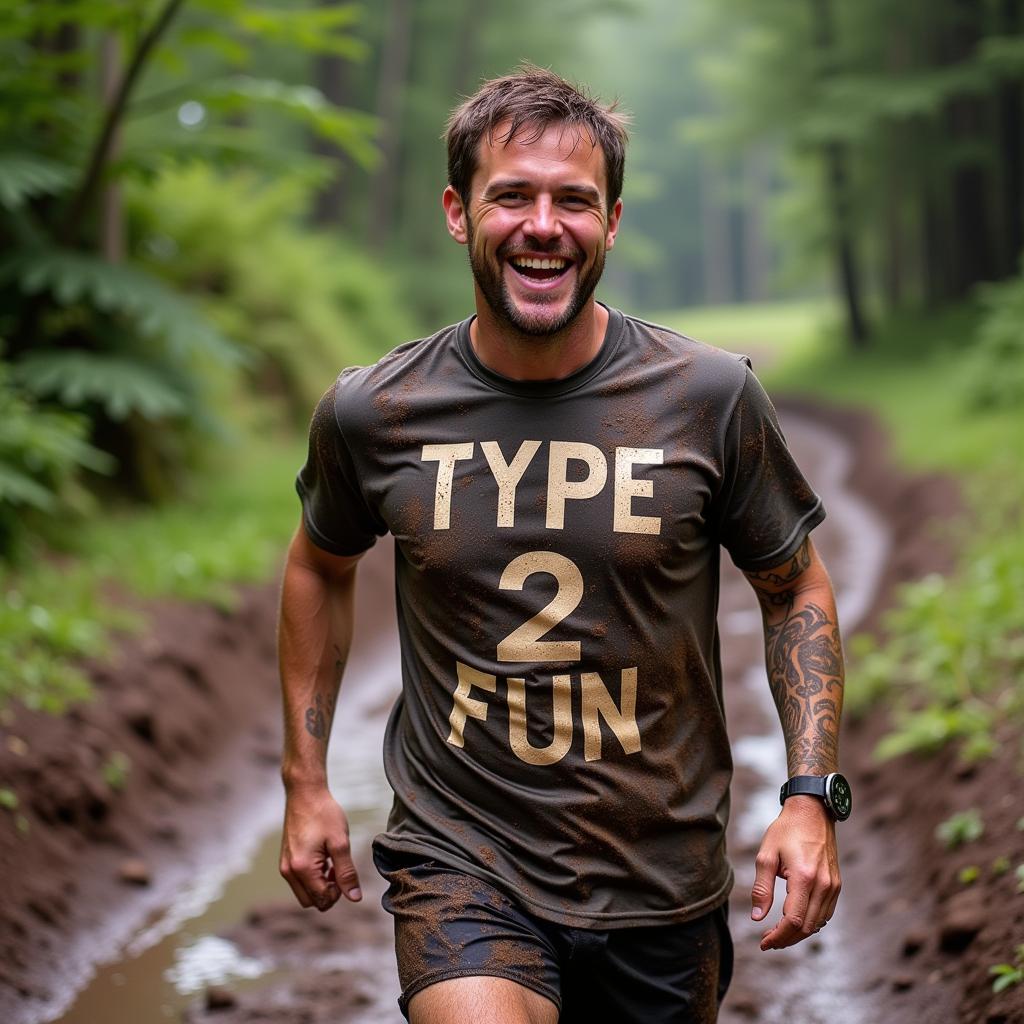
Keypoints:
(331, 76)
(393, 76)
(714, 236)
(1011, 123)
(111, 220)
(837, 190)
(974, 249)
(755, 248)
(464, 67)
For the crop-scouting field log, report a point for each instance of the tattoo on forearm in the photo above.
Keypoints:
(805, 667)
(319, 716)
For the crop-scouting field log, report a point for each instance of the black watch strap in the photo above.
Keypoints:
(833, 790)
(803, 785)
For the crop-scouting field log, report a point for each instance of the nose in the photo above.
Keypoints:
(543, 224)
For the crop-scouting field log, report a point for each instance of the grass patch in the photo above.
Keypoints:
(232, 529)
(786, 330)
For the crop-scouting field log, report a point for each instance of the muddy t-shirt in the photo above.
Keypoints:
(561, 729)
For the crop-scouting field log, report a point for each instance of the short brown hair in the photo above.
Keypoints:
(529, 101)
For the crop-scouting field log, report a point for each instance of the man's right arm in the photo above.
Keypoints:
(314, 635)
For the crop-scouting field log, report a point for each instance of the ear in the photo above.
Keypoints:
(613, 224)
(455, 215)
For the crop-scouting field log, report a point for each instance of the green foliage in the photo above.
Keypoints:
(115, 770)
(303, 305)
(1000, 865)
(995, 366)
(949, 668)
(50, 618)
(1008, 974)
(1019, 873)
(960, 828)
(155, 311)
(41, 450)
(968, 875)
(8, 799)
(26, 175)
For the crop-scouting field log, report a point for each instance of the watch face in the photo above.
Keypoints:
(840, 796)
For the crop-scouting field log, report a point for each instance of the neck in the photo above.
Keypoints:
(503, 349)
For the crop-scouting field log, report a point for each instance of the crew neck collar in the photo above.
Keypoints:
(542, 388)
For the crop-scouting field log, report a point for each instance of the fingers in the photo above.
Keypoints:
(811, 899)
(343, 871)
(763, 892)
(308, 877)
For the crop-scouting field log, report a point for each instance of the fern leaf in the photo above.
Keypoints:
(120, 384)
(157, 310)
(24, 175)
(16, 488)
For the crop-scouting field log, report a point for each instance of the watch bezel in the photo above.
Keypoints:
(831, 780)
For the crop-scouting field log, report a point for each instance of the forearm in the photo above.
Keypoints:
(314, 636)
(804, 659)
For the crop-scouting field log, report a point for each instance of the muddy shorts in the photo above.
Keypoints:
(451, 925)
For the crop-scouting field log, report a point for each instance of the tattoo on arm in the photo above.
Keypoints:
(320, 714)
(805, 667)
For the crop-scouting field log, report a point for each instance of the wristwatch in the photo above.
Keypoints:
(833, 790)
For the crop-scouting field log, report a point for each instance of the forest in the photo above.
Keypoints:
(210, 207)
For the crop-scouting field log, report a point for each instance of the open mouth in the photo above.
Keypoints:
(548, 268)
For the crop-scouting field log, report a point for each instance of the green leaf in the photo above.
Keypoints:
(8, 799)
(24, 175)
(961, 827)
(321, 29)
(351, 129)
(16, 488)
(120, 384)
(156, 310)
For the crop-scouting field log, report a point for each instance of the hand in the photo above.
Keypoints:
(799, 846)
(315, 857)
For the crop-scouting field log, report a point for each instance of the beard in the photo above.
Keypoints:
(491, 281)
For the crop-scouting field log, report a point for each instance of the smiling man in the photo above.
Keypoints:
(559, 479)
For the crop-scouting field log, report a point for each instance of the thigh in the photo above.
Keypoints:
(451, 926)
(667, 974)
(482, 1000)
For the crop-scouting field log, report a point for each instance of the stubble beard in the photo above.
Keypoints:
(491, 281)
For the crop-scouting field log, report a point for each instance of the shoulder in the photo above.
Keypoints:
(710, 372)
(360, 390)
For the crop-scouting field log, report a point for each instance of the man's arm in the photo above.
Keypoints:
(805, 671)
(314, 635)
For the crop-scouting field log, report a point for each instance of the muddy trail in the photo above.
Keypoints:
(161, 901)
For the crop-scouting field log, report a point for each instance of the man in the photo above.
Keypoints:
(559, 479)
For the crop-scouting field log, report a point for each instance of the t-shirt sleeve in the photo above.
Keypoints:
(766, 507)
(335, 512)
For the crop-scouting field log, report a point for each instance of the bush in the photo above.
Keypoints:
(41, 454)
(302, 303)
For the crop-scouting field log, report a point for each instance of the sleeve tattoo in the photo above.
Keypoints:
(804, 658)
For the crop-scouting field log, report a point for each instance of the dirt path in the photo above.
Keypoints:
(339, 967)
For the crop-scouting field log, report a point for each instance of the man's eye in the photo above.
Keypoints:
(511, 197)
(575, 201)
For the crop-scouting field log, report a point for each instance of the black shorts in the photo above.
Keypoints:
(451, 925)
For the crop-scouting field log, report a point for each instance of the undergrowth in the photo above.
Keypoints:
(951, 663)
(231, 528)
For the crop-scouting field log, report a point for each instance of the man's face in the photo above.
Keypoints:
(537, 227)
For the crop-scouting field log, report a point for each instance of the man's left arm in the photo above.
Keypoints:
(805, 671)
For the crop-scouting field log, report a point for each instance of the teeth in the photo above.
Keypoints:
(530, 263)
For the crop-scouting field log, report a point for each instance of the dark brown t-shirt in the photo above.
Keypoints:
(561, 729)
